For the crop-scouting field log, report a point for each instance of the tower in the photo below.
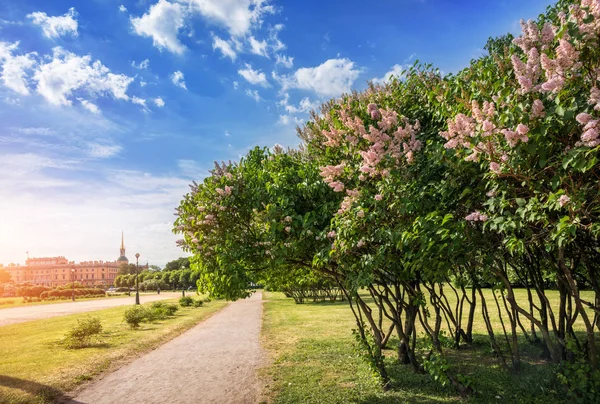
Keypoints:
(122, 257)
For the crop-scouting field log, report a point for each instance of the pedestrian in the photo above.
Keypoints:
(158, 290)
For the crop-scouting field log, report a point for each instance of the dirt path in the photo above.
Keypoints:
(36, 312)
(214, 362)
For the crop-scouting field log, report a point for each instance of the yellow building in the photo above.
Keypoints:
(56, 271)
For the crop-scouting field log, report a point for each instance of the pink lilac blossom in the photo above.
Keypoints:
(563, 200)
(460, 129)
(595, 98)
(495, 167)
(378, 197)
(360, 244)
(288, 229)
(360, 213)
(476, 217)
(590, 136)
(537, 109)
(332, 234)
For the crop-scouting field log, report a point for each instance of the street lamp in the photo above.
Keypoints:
(137, 284)
(73, 284)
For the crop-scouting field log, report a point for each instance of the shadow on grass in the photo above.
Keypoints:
(47, 393)
(535, 382)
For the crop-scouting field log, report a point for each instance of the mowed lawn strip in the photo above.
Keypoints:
(314, 359)
(8, 302)
(36, 368)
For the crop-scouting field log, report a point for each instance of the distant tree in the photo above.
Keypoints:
(179, 263)
(184, 280)
(154, 268)
(125, 268)
(4, 276)
(174, 279)
(119, 281)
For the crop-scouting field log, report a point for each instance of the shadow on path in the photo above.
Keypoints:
(41, 390)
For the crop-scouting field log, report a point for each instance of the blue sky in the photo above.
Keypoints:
(110, 108)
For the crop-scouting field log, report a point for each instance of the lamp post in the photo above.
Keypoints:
(137, 284)
(73, 284)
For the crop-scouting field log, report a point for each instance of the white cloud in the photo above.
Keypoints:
(143, 83)
(286, 61)
(139, 101)
(67, 72)
(178, 79)
(274, 42)
(225, 47)
(159, 102)
(162, 23)
(258, 47)
(396, 71)
(237, 16)
(11, 101)
(14, 67)
(288, 119)
(330, 79)
(122, 8)
(235, 85)
(143, 65)
(253, 76)
(305, 105)
(89, 106)
(254, 94)
(98, 151)
(55, 27)
(38, 131)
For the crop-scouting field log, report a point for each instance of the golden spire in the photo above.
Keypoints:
(122, 241)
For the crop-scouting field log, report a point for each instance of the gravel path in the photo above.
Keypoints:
(214, 362)
(29, 313)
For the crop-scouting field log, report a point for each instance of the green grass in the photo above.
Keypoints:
(314, 360)
(36, 368)
(18, 301)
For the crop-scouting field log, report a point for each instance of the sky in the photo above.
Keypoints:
(109, 109)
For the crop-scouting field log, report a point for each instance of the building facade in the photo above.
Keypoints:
(56, 271)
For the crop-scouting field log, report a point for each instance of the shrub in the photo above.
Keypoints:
(207, 300)
(186, 301)
(121, 290)
(66, 293)
(83, 333)
(32, 291)
(198, 303)
(135, 315)
(161, 311)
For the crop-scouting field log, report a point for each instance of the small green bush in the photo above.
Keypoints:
(135, 315)
(161, 311)
(207, 300)
(83, 333)
(186, 301)
(198, 303)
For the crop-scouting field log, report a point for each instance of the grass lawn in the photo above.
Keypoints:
(36, 368)
(314, 360)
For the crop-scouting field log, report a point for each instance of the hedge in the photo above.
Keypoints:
(69, 293)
